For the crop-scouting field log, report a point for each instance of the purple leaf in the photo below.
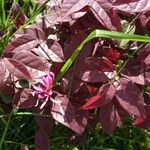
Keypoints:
(45, 124)
(17, 68)
(51, 50)
(74, 42)
(110, 117)
(92, 76)
(70, 7)
(143, 22)
(105, 95)
(24, 42)
(132, 6)
(35, 32)
(96, 63)
(45, 121)
(18, 17)
(107, 17)
(65, 113)
(30, 60)
(92, 69)
(137, 72)
(130, 97)
(41, 140)
(147, 60)
(23, 99)
(144, 122)
(75, 84)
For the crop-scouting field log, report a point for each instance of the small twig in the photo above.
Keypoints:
(125, 63)
(27, 114)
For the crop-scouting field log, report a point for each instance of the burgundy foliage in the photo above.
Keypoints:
(18, 17)
(91, 82)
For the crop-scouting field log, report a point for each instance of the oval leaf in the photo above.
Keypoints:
(17, 68)
(30, 60)
(24, 42)
(130, 97)
(52, 50)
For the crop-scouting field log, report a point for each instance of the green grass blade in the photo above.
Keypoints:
(32, 18)
(122, 36)
(100, 34)
(2, 13)
(5, 130)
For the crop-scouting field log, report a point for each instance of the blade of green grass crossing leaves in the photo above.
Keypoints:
(2, 14)
(99, 34)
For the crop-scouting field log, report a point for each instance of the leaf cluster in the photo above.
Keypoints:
(101, 65)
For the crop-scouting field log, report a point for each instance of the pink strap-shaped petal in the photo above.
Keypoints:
(38, 88)
(44, 103)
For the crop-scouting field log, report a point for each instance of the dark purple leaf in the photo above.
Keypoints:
(45, 124)
(110, 117)
(74, 83)
(130, 97)
(96, 63)
(92, 69)
(73, 42)
(18, 17)
(143, 122)
(45, 121)
(143, 23)
(137, 71)
(41, 140)
(68, 115)
(17, 68)
(23, 99)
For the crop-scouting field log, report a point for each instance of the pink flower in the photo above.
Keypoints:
(42, 87)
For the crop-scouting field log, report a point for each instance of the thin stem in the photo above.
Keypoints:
(27, 114)
(1, 110)
(125, 63)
